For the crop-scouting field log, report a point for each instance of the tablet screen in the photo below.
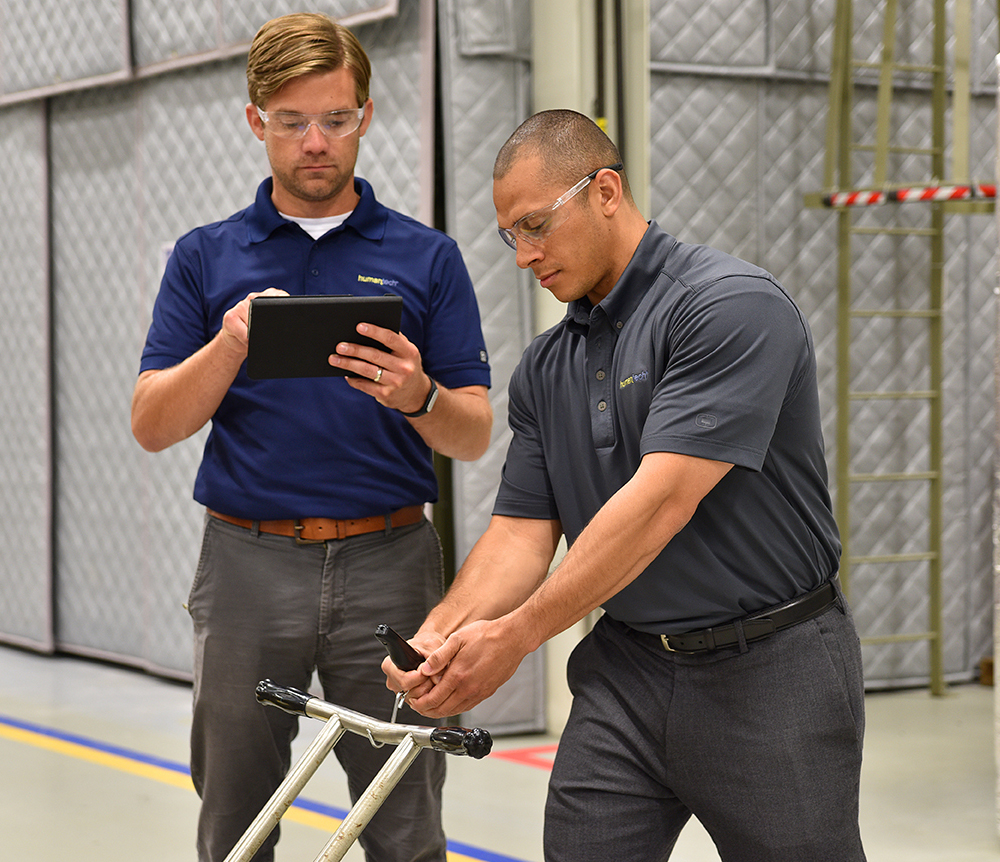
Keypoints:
(293, 336)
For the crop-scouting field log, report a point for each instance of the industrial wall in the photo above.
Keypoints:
(739, 102)
(114, 145)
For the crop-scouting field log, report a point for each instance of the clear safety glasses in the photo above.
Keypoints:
(335, 124)
(537, 226)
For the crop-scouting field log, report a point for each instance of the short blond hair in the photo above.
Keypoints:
(303, 43)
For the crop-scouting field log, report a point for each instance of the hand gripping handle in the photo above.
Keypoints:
(291, 700)
(404, 656)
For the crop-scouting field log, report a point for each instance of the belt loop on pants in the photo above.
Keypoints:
(756, 626)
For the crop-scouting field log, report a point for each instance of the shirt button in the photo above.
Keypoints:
(600, 375)
(620, 324)
(602, 406)
(315, 272)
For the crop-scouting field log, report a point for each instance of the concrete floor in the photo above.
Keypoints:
(92, 761)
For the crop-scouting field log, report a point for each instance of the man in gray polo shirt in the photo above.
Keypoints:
(670, 427)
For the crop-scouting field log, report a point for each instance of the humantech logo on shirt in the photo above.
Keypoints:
(374, 279)
(638, 377)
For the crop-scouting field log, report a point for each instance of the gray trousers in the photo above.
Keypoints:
(763, 747)
(264, 607)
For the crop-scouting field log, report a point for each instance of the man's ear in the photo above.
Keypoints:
(609, 184)
(367, 121)
(256, 124)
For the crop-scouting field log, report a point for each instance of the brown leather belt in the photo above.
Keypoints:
(310, 531)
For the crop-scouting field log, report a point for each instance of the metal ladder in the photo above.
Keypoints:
(854, 204)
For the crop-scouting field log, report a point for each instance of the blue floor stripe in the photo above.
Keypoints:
(150, 760)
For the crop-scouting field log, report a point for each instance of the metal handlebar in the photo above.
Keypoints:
(474, 742)
(409, 741)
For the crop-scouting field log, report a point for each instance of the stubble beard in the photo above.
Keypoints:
(316, 190)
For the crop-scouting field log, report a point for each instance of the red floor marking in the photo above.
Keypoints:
(540, 756)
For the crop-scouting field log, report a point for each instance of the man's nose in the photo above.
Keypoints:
(314, 138)
(526, 252)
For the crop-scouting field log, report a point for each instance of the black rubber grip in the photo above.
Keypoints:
(475, 741)
(291, 700)
(404, 656)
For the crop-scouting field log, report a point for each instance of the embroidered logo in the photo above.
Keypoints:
(374, 279)
(706, 420)
(638, 377)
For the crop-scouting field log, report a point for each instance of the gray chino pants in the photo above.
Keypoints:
(763, 747)
(264, 607)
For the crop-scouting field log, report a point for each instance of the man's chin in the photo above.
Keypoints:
(318, 192)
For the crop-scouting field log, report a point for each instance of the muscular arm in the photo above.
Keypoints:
(519, 547)
(503, 569)
(627, 533)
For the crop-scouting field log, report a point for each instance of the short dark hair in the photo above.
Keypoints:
(569, 144)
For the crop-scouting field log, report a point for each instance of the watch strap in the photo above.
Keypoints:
(428, 404)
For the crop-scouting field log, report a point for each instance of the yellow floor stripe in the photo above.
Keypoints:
(314, 819)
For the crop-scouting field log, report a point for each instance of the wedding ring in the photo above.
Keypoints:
(378, 376)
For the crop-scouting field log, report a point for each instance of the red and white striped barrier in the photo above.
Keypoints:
(975, 191)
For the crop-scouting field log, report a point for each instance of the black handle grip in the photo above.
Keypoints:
(404, 656)
(291, 700)
(475, 742)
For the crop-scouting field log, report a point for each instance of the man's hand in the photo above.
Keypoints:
(171, 404)
(469, 667)
(236, 322)
(413, 682)
(394, 377)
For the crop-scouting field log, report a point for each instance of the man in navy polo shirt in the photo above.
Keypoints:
(314, 487)
(669, 426)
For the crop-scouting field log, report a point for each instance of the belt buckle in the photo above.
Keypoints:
(666, 643)
(299, 527)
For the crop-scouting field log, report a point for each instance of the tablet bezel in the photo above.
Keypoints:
(293, 336)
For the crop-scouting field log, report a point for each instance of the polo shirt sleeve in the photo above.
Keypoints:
(178, 327)
(525, 490)
(454, 350)
(736, 351)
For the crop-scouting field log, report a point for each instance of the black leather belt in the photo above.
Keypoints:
(756, 626)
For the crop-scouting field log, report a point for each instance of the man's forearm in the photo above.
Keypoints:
(460, 424)
(520, 549)
(622, 539)
(170, 405)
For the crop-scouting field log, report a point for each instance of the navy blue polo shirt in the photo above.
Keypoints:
(694, 352)
(316, 447)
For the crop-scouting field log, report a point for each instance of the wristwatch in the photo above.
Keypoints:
(432, 396)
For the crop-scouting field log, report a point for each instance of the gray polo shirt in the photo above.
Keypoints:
(695, 352)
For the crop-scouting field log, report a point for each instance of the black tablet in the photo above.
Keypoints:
(293, 336)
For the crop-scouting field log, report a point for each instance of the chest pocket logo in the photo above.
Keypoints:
(638, 377)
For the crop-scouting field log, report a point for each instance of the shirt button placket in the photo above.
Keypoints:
(599, 359)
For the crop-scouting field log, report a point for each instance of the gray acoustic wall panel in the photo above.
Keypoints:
(732, 157)
(25, 420)
(164, 32)
(390, 151)
(484, 84)
(48, 42)
(802, 35)
(722, 33)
